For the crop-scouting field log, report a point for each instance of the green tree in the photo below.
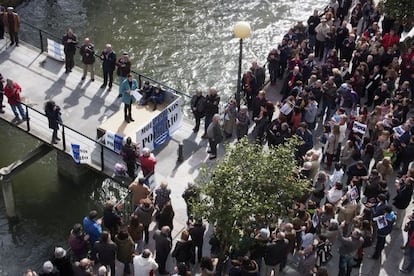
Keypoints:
(401, 10)
(250, 184)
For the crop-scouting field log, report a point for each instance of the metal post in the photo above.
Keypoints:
(41, 41)
(63, 137)
(180, 154)
(27, 119)
(239, 75)
(139, 81)
(8, 196)
(102, 159)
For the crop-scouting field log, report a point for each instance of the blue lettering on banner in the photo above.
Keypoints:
(76, 152)
(160, 128)
(118, 143)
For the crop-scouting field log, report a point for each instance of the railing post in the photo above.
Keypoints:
(139, 81)
(102, 158)
(41, 41)
(63, 137)
(27, 119)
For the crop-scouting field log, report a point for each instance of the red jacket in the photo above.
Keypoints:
(147, 164)
(388, 41)
(13, 94)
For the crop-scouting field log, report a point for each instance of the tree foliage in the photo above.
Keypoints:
(250, 184)
(401, 10)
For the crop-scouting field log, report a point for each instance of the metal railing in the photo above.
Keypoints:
(43, 35)
(103, 159)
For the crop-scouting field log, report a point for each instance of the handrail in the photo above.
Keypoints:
(41, 31)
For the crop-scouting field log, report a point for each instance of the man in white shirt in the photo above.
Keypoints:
(144, 263)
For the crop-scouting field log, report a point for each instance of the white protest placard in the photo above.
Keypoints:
(359, 127)
(55, 50)
(353, 193)
(398, 131)
(81, 154)
(137, 96)
(381, 221)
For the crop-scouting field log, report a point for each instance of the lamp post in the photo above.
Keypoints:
(241, 30)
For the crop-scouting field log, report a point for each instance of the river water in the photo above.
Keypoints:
(185, 44)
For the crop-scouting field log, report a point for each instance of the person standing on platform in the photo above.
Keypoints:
(11, 21)
(215, 136)
(212, 107)
(54, 117)
(108, 58)
(87, 51)
(127, 87)
(1, 93)
(130, 156)
(123, 70)
(69, 42)
(198, 104)
(12, 92)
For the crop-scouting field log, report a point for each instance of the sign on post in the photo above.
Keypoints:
(114, 141)
(80, 154)
(55, 50)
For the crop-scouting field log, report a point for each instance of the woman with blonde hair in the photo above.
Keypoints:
(184, 250)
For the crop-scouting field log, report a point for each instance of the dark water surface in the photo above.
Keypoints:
(185, 44)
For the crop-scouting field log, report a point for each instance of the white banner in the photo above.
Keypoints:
(114, 141)
(55, 50)
(81, 154)
(359, 127)
(160, 129)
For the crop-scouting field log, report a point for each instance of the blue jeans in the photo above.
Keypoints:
(345, 265)
(19, 107)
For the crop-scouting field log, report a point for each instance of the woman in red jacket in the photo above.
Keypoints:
(12, 92)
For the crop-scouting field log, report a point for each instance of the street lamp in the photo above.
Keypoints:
(241, 30)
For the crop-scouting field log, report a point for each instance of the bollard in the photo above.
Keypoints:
(180, 152)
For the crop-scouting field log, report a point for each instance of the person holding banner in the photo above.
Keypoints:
(127, 86)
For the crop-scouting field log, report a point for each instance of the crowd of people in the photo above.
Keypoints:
(343, 72)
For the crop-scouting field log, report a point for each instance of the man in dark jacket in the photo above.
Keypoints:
(347, 250)
(211, 108)
(215, 135)
(162, 247)
(404, 188)
(198, 105)
(108, 58)
(197, 235)
(130, 155)
(385, 224)
(87, 51)
(69, 47)
(105, 251)
(62, 262)
(275, 253)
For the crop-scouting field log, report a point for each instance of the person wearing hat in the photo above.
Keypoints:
(11, 21)
(87, 51)
(69, 42)
(62, 262)
(123, 70)
(1, 93)
(108, 58)
(146, 92)
(157, 96)
(12, 92)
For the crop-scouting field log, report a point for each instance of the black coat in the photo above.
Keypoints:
(108, 61)
(276, 252)
(403, 197)
(184, 252)
(53, 116)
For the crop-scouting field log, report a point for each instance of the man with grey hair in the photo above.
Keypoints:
(275, 253)
(163, 246)
(108, 58)
(144, 263)
(215, 135)
(347, 250)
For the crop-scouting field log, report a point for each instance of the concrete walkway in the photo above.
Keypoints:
(84, 107)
